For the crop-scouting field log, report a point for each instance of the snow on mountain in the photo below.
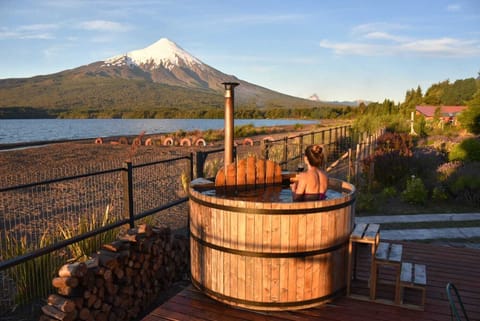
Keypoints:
(163, 53)
(314, 97)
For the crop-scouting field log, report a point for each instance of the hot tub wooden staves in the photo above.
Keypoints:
(271, 256)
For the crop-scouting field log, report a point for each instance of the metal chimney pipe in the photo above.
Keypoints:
(229, 127)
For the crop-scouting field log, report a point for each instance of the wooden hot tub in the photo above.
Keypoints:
(271, 256)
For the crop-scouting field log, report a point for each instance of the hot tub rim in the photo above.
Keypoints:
(281, 208)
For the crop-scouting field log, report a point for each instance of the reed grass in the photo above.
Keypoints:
(82, 250)
(32, 278)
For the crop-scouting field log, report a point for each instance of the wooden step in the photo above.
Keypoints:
(413, 276)
(389, 252)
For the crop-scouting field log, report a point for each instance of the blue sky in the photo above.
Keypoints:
(340, 50)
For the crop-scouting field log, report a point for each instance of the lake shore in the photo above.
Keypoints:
(26, 158)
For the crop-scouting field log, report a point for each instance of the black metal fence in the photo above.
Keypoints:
(43, 221)
(49, 218)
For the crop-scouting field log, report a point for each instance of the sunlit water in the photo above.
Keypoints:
(36, 130)
(269, 194)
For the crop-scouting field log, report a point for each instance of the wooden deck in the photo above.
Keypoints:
(460, 266)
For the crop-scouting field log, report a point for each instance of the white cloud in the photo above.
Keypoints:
(377, 27)
(104, 25)
(454, 7)
(37, 27)
(384, 36)
(442, 47)
(34, 31)
(373, 40)
(355, 48)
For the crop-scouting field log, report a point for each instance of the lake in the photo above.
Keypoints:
(36, 130)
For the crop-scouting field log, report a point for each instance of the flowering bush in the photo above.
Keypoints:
(394, 142)
(445, 170)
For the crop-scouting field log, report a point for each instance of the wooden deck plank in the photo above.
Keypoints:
(444, 264)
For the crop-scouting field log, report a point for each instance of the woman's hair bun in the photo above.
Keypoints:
(317, 148)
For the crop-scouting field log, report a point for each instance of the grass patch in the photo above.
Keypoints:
(429, 225)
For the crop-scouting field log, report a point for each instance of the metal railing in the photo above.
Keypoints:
(47, 216)
(345, 151)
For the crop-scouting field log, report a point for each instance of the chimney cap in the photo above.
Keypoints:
(230, 85)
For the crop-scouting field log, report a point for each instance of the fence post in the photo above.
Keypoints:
(200, 158)
(357, 158)
(285, 151)
(350, 165)
(301, 148)
(128, 192)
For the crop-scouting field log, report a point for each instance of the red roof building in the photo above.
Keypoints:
(447, 113)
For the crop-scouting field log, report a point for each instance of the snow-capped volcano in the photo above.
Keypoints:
(165, 62)
(163, 53)
(162, 75)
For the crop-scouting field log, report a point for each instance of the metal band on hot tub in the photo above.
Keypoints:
(272, 211)
(268, 304)
(275, 255)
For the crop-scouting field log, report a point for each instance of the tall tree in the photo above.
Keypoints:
(470, 118)
(459, 92)
(434, 94)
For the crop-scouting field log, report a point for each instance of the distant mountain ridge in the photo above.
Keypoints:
(162, 75)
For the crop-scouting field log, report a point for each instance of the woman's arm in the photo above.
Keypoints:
(298, 188)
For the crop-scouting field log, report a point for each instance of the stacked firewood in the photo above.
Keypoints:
(121, 280)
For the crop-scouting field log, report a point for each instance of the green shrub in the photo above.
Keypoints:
(365, 202)
(211, 135)
(298, 126)
(391, 168)
(467, 150)
(424, 164)
(415, 191)
(439, 194)
(389, 191)
(180, 133)
(245, 130)
(464, 183)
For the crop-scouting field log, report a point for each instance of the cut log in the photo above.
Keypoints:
(116, 246)
(71, 292)
(145, 229)
(60, 282)
(77, 269)
(55, 313)
(84, 314)
(108, 259)
(61, 303)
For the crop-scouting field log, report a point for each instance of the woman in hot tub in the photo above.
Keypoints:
(312, 184)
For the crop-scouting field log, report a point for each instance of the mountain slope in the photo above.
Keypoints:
(162, 75)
